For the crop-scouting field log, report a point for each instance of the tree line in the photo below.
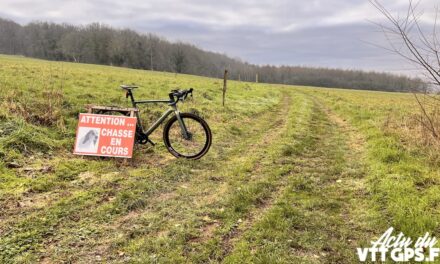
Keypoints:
(101, 44)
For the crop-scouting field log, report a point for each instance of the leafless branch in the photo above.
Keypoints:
(418, 48)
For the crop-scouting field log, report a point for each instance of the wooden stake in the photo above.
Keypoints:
(225, 80)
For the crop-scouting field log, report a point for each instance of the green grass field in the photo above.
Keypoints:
(294, 175)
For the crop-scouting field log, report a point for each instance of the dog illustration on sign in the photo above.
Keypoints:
(88, 139)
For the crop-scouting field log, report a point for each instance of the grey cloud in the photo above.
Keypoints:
(328, 33)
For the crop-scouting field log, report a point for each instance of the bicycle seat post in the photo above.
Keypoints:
(128, 94)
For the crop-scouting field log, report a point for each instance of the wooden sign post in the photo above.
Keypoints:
(225, 80)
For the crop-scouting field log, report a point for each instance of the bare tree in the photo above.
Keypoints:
(152, 45)
(9, 39)
(179, 59)
(408, 37)
(72, 45)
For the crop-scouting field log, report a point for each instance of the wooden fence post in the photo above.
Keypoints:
(256, 78)
(225, 80)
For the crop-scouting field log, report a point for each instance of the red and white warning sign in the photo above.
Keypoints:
(105, 135)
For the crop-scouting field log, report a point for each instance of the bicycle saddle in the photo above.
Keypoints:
(128, 87)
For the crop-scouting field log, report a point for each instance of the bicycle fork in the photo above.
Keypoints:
(186, 135)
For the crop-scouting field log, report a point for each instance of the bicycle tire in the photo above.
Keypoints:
(199, 120)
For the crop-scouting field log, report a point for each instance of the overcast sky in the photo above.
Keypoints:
(329, 33)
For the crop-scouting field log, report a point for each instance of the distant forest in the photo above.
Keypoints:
(102, 44)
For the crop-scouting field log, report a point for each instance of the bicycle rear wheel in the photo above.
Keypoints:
(199, 139)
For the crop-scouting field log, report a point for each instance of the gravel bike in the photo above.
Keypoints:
(185, 135)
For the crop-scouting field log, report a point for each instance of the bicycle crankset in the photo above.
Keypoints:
(143, 139)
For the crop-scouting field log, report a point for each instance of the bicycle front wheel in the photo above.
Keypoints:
(195, 145)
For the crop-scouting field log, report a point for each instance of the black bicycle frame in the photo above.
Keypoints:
(171, 102)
